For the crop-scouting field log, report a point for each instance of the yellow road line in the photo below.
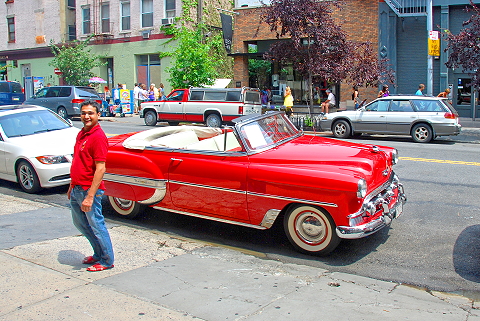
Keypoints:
(441, 161)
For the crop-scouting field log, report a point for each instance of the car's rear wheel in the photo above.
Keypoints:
(150, 118)
(126, 208)
(62, 112)
(341, 129)
(311, 230)
(28, 178)
(422, 133)
(213, 120)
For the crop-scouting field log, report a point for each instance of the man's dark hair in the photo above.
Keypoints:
(92, 103)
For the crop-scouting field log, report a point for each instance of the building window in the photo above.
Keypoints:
(125, 10)
(148, 69)
(105, 12)
(71, 3)
(147, 13)
(11, 29)
(86, 20)
(72, 32)
(170, 8)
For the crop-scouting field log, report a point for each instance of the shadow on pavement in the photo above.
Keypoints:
(466, 254)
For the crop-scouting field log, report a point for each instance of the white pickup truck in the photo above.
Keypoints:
(212, 106)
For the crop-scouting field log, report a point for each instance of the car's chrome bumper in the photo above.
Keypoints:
(378, 202)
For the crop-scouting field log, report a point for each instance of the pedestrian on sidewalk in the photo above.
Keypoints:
(419, 92)
(288, 101)
(329, 103)
(86, 188)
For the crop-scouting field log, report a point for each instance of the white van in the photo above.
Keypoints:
(212, 106)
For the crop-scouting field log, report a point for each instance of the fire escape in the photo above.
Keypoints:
(408, 8)
(102, 27)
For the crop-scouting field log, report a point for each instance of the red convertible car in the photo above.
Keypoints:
(259, 171)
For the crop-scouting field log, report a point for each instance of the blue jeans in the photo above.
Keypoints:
(92, 225)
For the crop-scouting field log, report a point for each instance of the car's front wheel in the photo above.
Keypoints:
(341, 129)
(28, 178)
(62, 112)
(126, 208)
(422, 133)
(311, 230)
(213, 120)
(150, 118)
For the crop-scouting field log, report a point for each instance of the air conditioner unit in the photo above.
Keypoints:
(146, 34)
(168, 21)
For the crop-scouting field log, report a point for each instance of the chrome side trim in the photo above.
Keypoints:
(135, 180)
(222, 220)
(209, 187)
(291, 199)
(270, 218)
(159, 185)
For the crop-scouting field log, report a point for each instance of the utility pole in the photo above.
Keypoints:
(430, 58)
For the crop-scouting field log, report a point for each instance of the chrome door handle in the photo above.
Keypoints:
(176, 160)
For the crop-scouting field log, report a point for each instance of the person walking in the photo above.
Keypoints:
(161, 88)
(444, 93)
(355, 97)
(384, 92)
(288, 101)
(87, 188)
(151, 92)
(419, 92)
(329, 103)
(136, 94)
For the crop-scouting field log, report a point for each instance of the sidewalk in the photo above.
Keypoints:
(161, 277)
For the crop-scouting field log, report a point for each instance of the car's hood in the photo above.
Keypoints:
(325, 157)
(58, 142)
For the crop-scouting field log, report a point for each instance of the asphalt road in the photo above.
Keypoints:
(434, 244)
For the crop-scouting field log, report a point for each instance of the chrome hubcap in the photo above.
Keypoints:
(310, 228)
(26, 177)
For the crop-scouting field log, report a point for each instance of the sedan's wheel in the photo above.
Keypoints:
(311, 230)
(28, 178)
(213, 120)
(341, 129)
(62, 112)
(422, 133)
(150, 118)
(126, 208)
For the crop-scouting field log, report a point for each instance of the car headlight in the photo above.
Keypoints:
(394, 156)
(361, 188)
(49, 159)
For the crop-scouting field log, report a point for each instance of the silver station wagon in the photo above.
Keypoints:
(421, 117)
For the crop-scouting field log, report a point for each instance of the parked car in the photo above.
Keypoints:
(260, 171)
(11, 92)
(65, 100)
(422, 117)
(212, 106)
(36, 147)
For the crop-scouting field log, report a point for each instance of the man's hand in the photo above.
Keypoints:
(87, 203)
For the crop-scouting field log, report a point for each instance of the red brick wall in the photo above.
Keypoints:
(358, 18)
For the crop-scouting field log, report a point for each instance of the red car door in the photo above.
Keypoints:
(209, 184)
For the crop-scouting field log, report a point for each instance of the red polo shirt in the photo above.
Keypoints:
(89, 147)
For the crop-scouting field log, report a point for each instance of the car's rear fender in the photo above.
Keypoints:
(123, 171)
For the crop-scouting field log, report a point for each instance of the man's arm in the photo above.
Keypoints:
(97, 180)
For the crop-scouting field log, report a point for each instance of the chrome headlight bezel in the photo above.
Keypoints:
(361, 188)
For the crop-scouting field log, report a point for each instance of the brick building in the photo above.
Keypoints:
(358, 18)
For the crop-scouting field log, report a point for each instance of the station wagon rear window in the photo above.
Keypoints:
(428, 105)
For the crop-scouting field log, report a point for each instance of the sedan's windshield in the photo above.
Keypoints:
(267, 131)
(31, 122)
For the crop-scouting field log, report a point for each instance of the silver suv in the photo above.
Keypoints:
(65, 100)
(422, 117)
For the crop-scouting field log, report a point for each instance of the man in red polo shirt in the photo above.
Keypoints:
(87, 188)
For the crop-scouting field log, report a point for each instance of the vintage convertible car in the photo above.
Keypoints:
(259, 171)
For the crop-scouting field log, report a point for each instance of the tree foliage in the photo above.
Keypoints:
(464, 47)
(317, 46)
(75, 61)
(195, 57)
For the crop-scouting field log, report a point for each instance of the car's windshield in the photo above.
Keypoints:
(267, 131)
(31, 122)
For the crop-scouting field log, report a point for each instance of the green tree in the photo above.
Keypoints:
(75, 61)
(195, 58)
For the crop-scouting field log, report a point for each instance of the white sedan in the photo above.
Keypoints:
(36, 147)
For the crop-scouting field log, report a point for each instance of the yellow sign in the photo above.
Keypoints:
(434, 47)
